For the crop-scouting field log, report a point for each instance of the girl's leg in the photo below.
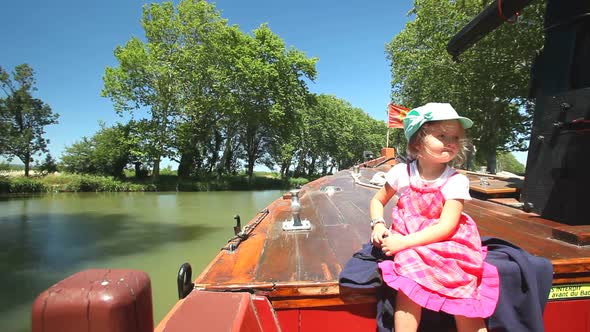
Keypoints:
(407, 314)
(465, 324)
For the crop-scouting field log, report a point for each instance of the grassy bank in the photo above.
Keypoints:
(168, 182)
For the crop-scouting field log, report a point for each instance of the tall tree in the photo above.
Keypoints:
(488, 84)
(146, 77)
(175, 76)
(22, 117)
(271, 91)
(208, 45)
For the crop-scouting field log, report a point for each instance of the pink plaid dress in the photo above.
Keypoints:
(449, 276)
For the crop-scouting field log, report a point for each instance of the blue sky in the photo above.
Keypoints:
(69, 43)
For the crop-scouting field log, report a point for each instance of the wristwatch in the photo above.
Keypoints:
(376, 221)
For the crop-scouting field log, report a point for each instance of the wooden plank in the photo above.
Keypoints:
(340, 234)
(344, 240)
(492, 187)
(278, 260)
(578, 235)
(239, 266)
(324, 209)
(316, 258)
(488, 185)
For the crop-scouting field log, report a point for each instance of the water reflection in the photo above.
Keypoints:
(44, 239)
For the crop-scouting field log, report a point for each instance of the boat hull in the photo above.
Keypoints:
(570, 315)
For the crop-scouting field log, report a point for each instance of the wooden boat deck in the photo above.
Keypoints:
(300, 269)
(488, 186)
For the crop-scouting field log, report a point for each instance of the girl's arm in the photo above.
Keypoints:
(446, 226)
(376, 210)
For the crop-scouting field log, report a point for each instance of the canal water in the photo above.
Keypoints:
(44, 239)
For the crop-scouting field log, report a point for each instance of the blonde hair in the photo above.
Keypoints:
(417, 140)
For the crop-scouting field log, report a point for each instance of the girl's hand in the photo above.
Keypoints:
(379, 233)
(393, 244)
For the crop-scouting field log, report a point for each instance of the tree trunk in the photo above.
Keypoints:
(299, 170)
(137, 165)
(285, 168)
(311, 167)
(27, 162)
(491, 162)
(252, 152)
(215, 153)
(250, 170)
(186, 165)
(226, 160)
(325, 169)
(156, 170)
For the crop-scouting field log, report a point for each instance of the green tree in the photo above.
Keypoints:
(146, 77)
(490, 82)
(270, 92)
(208, 56)
(48, 166)
(207, 87)
(507, 162)
(180, 76)
(78, 158)
(108, 152)
(335, 134)
(22, 117)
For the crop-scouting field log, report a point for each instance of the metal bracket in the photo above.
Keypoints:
(291, 225)
(296, 224)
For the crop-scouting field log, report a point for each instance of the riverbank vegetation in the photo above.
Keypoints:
(13, 182)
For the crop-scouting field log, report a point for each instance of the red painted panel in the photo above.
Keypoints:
(289, 320)
(358, 317)
(570, 316)
(559, 316)
(265, 313)
(210, 311)
(250, 321)
(354, 317)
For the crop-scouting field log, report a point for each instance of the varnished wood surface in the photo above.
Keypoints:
(300, 269)
(490, 186)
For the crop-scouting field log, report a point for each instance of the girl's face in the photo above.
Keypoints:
(442, 141)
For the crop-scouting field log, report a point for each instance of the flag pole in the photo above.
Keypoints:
(387, 140)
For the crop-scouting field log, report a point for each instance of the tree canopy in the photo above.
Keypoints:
(489, 83)
(22, 117)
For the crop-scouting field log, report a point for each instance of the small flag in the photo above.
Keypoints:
(396, 115)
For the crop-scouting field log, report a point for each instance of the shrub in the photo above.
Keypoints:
(48, 166)
(95, 183)
(20, 185)
(4, 166)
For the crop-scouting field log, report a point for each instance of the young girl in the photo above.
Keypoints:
(438, 260)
